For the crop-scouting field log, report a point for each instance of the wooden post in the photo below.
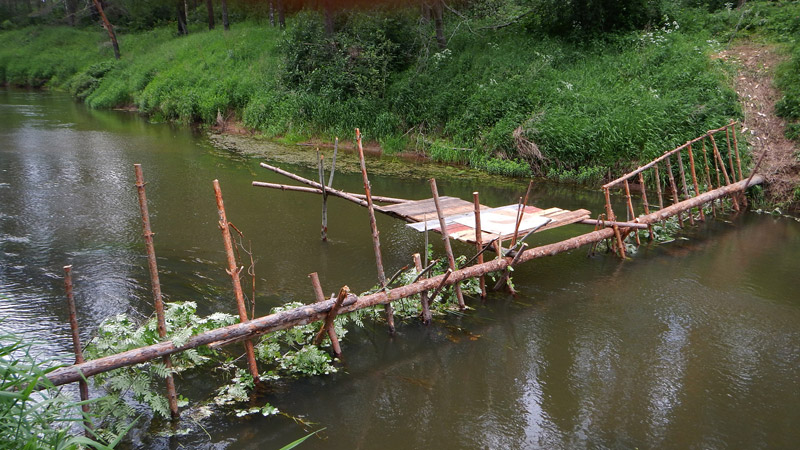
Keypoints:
(321, 167)
(646, 204)
(613, 218)
(683, 183)
(328, 324)
(426, 310)
(446, 238)
(333, 161)
(172, 396)
(730, 153)
(479, 239)
(503, 280)
(76, 345)
(694, 179)
(109, 28)
(517, 221)
(709, 184)
(736, 149)
(724, 171)
(233, 271)
(630, 210)
(673, 188)
(320, 296)
(521, 213)
(376, 241)
(658, 188)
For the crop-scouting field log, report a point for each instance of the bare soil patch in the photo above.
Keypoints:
(764, 129)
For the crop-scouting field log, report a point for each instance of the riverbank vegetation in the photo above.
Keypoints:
(515, 87)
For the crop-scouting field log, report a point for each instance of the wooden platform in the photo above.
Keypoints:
(460, 218)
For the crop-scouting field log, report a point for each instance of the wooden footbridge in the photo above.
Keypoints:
(717, 175)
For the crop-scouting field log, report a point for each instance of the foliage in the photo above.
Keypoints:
(788, 81)
(30, 418)
(526, 102)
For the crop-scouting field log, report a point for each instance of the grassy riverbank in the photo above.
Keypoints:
(511, 100)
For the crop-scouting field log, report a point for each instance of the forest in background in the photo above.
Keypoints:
(579, 91)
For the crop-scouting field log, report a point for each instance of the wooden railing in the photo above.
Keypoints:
(704, 182)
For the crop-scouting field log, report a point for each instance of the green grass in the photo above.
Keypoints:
(592, 109)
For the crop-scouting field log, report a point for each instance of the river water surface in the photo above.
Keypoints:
(691, 344)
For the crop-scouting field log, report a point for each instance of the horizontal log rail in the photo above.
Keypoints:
(318, 311)
(311, 190)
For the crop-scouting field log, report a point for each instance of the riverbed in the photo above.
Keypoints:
(690, 344)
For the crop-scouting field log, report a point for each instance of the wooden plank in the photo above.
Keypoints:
(421, 206)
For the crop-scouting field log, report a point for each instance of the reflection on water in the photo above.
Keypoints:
(691, 344)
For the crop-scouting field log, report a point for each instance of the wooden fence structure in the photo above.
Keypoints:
(326, 309)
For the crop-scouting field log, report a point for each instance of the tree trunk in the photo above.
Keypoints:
(225, 24)
(439, 23)
(182, 30)
(71, 7)
(328, 18)
(272, 13)
(109, 28)
(210, 8)
(281, 15)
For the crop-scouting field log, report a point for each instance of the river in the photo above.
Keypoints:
(690, 344)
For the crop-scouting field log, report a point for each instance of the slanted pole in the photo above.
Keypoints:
(479, 239)
(673, 188)
(320, 296)
(446, 238)
(172, 396)
(521, 213)
(76, 345)
(233, 271)
(610, 215)
(683, 183)
(724, 171)
(645, 204)
(376, 241)
(694, 179)
(426, 309)
(109, 28)
(736, 149)
(630, 209)
(709, 184)
(730, 153)
(333, 161)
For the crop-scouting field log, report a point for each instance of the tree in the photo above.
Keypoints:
(182, 29)
(328, 11)
(439, 23)
(225, 23)
(109, 28)
(210, 8)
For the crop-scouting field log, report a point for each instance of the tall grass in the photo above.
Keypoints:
(522, 102)
(31, 418)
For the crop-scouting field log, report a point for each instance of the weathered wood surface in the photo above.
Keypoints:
(310, 190)
(318, 311)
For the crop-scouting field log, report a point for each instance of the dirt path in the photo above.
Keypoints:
(757, 92)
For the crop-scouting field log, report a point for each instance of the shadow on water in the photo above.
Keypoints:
(689, 344)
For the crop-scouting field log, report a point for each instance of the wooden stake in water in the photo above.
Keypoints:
(426, 310)
(724, 171)
(479, 239)
(709, 184)
(337, 349)
(376, 241)
(610, 214)
(233, 271)
(673, 188)
(521, 213)
(446, 238)
(630, 210)
(321, 167)
(172, 396)
(645, 204)
(683, 183)
(694, 179)
(76, 345)
(736, 149)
